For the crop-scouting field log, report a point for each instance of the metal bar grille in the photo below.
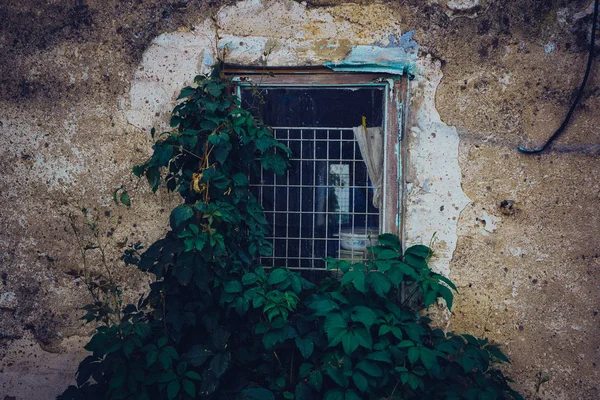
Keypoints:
(323, 206)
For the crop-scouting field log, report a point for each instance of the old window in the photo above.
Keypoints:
(343, 186)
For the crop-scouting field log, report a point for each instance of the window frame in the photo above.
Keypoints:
(395, 115)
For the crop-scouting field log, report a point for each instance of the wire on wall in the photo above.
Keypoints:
(579, 94)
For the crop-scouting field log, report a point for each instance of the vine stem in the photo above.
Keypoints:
(393, 391)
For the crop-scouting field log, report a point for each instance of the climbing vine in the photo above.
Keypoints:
(217, 325)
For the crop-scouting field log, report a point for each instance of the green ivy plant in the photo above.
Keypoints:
(216, 325)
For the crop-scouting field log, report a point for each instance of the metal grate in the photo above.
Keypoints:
(323, 206)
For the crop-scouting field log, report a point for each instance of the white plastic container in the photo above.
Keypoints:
(357, 240)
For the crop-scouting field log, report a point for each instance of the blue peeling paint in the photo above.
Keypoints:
(549, 47)
(397, 57)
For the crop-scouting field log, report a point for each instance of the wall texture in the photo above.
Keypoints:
(83, 81)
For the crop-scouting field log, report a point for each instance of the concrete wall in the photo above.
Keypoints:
(83, 81)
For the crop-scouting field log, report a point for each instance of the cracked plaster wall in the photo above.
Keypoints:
(81, 90)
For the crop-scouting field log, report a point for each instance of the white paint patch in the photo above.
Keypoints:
(434, 197)
(462, 5)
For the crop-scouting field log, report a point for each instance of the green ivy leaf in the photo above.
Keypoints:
(419, 250)
(335, 324)
(413, 354)
(446, 295)
(180, 214)
(306, 346)
(357, 278)
(379, 282)
(370, 368)
(232, 286)
(349, 342)
(364, 315)
(188, 387)
(338, 376)
(186, 92)
(360, 381)
(428, 357)
(388, 239)
(124, 198)
(173, 389)
(334, 394)
(323, 308)
(277, 276)
(351, 395)
(315, 380)
(219, 363)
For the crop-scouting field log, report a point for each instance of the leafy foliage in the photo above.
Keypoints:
(216, 325)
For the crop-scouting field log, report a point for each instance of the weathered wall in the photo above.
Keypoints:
(82, 85)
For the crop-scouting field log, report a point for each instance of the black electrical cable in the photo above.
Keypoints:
(579, 94)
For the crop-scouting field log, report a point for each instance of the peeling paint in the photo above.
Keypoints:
(397, 58)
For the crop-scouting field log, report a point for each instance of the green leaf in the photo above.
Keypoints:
(334, 325)
(219, 363)
(364, 315)
(162, 342)
(497, 353)
(306, 346)
(413, 354)
(446, 295)
(356, 277)
(429, 297)
(388, 254)
(405, 343)
(232, 286)
(315, 380)
(304, 370)
(124, 198)
(349, 342)
(322, 308)
(258, 394)
(447, 282)
(180, 214)
(274, 162)
(338, 376)
(428, 357)
(186, 92)
(388, 239)
(249, 278)
(153, 177)
(197, 355)
(277, 276)
(188, 387)
(151, 357)
(364, 337)
(173, 389)
(302, 392)
(370, 368)
(418, 263)
(334, 394)
(192, 375)
(181, 368)
(240, 179)
(351, 395)
(379, 282)
(360, 381)
(419, 250)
